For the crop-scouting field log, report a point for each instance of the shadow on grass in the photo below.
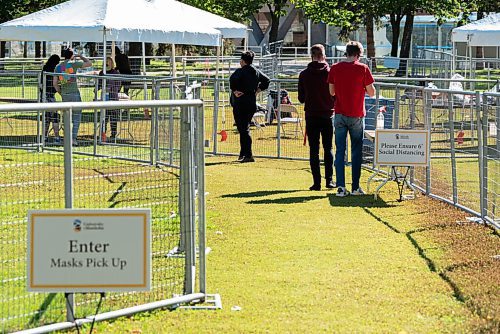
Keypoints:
(287, 200)
(457, 293)
(365, 201)
(20, 140)
(258, 193)
(43, 308)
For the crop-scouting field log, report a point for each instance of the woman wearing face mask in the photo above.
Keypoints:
(112, 89)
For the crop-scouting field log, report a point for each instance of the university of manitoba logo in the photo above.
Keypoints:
(77, 225)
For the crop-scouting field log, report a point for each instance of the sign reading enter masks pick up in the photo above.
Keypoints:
(402, 147)
(89, 250)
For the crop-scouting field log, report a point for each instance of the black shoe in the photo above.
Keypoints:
(330, 185)
(315, 187)
(240, 158)
(247, 159)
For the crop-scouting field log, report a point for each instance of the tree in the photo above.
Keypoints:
(11, 9)
(242, 10)
(348, 15)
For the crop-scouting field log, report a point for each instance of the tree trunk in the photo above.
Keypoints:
(405, 44)
(396, 27)
(91, 47)
(3, 49)
(275, 22)
(38, 49)
(479, 49)
(370, 40)
(2, 52)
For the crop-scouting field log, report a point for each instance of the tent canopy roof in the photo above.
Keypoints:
(154, 21)
(484, 32)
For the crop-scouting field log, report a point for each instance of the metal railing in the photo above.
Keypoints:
(164, 171)
(457, 120)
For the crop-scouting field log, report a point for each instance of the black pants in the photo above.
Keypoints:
(316, 127)
(112, 118)
(242, 117)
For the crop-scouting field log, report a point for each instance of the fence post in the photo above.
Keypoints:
(22, 82)
(395, 119)
(185, 198)
(68, 194)
(452, 149)
(156, 112)
(215, 115)
(97, 138)
(428, 116)
(200, 181)
(42, 78)
(278, 128)
(152, 134)
(482, 146)
(171, 125)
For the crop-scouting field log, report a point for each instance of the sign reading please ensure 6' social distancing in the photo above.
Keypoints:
(396, 147)
(89, 250)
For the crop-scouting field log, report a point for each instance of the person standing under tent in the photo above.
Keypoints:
(66, 85)
(123, 66)
(313, 92)
(245, 83)
(349, 81)
(50, 96)
(112, 90)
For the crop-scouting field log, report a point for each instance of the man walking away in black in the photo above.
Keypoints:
(313, 91)
(123, 66)
(246, 82)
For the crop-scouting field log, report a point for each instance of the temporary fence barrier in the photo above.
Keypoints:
(160, 168)
(456, 120)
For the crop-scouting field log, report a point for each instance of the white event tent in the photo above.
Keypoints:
(146, 21)
(484, 32)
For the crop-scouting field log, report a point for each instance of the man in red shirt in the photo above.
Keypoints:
(313, 92)
(349, 82)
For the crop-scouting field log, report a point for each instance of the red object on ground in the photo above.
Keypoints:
(223, 135)
(460, 137)
(103, 137)
(305, 138)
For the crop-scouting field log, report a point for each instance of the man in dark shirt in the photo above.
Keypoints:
(313, 91)
(246, 82)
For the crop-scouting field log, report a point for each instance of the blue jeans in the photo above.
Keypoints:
(77, 113)
(355, 127)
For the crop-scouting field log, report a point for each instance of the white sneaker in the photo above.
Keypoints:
(358, 192)
(342, 192)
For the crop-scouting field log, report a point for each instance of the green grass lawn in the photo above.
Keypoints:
(297, 261)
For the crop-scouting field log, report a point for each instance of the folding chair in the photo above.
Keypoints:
(292, 117)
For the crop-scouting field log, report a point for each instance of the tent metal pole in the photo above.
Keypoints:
(247, 37)
(143, 58)
(102, 115)
(172, 61)
(217, 63)
(113, 53)
(309, 37)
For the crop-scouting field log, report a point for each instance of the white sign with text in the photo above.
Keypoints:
(89, 250)
(402, 147)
